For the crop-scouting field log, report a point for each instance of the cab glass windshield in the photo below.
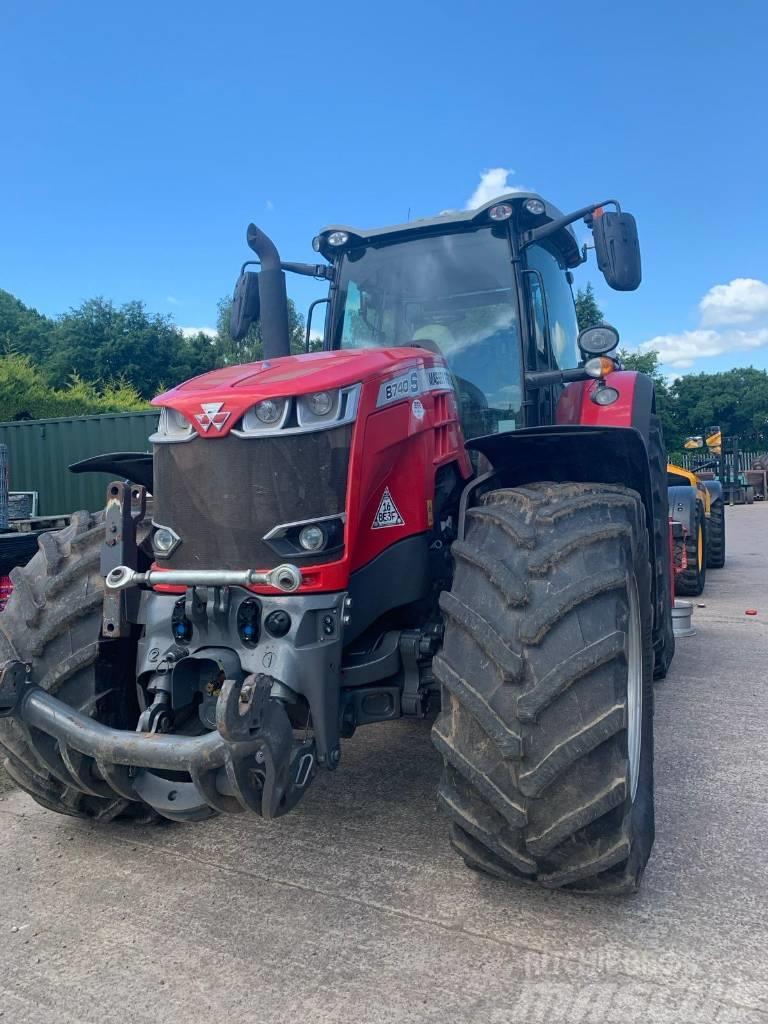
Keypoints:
(449, 293)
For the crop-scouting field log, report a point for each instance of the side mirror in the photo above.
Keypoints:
(245, 305)
(617, 249)
(598, 340)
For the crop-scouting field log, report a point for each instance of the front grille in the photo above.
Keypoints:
(222, 496)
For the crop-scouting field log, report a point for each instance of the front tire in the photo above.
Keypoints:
(691, 581)
(52, 622)
(546, 728)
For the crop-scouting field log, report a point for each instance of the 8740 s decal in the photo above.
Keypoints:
(414, 382)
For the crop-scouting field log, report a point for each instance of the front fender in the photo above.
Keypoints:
(570, 452)
(134, 466)
(715, 489)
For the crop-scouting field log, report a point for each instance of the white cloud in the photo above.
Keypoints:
(269, 205)
(190, 332)
(740, 301)
(680, 350)
(172, 299)
(493, 182)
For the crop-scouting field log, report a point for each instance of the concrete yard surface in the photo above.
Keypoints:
(354, 908)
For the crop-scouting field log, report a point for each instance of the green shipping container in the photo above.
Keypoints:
(39, 452)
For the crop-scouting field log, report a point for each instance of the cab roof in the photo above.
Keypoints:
(444, 223)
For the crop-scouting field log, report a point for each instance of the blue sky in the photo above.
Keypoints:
(139, 139)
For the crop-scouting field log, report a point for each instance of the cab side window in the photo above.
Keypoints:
(538, 314)
(560, 308)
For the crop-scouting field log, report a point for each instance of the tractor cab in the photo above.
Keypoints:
(489, 290)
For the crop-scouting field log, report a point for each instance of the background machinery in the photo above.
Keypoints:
(699, 505)
(458, 506)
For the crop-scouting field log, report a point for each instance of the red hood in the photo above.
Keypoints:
(239, 387)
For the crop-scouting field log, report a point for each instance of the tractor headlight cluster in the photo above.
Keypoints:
(317, 410)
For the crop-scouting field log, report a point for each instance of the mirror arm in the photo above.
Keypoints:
(317, 270)
(542, 378)
(535, 234)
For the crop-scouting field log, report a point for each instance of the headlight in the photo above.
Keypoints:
(501, 212)
(604, 395)
(165, 541)
(534, 207)
(268, 411)
(269, 414)
(320, 403)
(319, 407)
(173, 426)
(312, 538)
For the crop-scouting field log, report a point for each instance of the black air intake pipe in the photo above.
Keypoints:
(272, 295)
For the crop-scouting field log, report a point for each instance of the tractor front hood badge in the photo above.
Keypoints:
(212, 416)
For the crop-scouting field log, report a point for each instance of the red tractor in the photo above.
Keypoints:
(457, 506)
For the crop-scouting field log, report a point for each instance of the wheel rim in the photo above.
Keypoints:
(634, 687)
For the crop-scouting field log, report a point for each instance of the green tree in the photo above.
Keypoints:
(251, 348)
(26, 394)
(22, 329)
(588, 313)
(736, 400)
(101, 342)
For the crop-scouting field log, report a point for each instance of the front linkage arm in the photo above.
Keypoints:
(251, 762)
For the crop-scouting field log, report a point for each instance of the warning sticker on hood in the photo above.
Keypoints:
(387, 513)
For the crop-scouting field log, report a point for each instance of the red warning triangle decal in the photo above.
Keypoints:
(387, 513)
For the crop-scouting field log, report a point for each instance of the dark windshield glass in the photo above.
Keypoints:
(452, 293)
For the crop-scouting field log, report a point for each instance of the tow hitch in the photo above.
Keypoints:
(251, 762)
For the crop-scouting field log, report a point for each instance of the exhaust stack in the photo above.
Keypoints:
(272, 295)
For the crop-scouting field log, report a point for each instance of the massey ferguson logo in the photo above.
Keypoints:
(212, 416)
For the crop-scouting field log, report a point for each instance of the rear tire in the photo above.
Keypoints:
(716, 540)
(546, 728)
(690, 582)
(53, 623)
(663, 633)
